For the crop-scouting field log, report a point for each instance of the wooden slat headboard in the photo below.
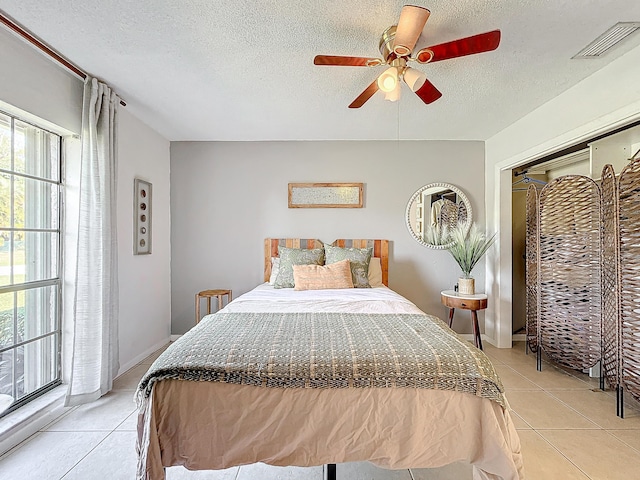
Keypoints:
(380, 250)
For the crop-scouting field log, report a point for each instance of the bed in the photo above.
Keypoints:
(317, 377)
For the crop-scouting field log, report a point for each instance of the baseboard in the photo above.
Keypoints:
(516, 337)
(136, 360)
(485, 339)
(175, 337)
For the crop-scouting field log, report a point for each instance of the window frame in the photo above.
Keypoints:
(56, 332)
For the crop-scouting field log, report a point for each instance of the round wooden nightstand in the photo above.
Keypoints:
(208, 294)
(453, 300)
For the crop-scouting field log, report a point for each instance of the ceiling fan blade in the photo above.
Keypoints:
(410, 25)
(338, 60)
(428, 93)
(483, 42)
(365, 95)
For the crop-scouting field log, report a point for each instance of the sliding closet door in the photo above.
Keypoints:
(531, 268)
(569, 280)
(629, 190)
(610, 278)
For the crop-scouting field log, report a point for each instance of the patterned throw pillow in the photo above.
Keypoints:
(359, 258)
(295, 256)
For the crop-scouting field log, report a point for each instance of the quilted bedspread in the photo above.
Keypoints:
(327, 350)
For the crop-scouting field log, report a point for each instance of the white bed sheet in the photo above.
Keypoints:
(348, 300)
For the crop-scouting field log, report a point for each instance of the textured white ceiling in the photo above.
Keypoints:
(243, 70)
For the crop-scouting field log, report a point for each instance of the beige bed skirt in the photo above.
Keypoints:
(211, 426)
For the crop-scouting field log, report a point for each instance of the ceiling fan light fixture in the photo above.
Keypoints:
(393, 95)
(414, 78)
(388, 80)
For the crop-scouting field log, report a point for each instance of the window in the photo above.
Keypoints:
(30, 238)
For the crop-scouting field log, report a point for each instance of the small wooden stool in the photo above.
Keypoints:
(208, 294)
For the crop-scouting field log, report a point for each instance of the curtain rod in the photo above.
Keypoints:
(17, 29)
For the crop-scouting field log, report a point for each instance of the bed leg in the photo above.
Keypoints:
(539, 359)
(329, 471)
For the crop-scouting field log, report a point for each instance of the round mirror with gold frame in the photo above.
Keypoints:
(434, 210)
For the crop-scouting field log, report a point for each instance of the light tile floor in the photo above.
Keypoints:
(568, 429)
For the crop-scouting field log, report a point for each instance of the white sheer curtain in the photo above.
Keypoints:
(94, 359)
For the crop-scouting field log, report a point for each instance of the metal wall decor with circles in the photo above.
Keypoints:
(142, 217)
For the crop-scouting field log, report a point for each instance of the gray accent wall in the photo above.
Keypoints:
(227, 197)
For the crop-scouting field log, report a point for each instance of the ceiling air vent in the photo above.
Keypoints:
(608, 39)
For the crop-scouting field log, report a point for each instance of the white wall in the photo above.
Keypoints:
(33, 83)
(145, 280)
(227, 197)
(603, 101)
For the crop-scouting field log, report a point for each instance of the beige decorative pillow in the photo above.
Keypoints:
(321, 277)
(375, 272)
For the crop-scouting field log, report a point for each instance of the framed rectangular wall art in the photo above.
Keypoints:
(142, 217)
(325, 195)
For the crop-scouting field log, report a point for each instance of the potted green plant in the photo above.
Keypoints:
(467, 250)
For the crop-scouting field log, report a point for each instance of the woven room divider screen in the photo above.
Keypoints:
(531, 269)
(629, 218)
(610, 279)
(569, 272)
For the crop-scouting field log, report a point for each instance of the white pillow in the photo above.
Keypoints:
(275, 268)
(375, 272)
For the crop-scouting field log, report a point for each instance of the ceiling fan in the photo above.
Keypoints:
(396, 46)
